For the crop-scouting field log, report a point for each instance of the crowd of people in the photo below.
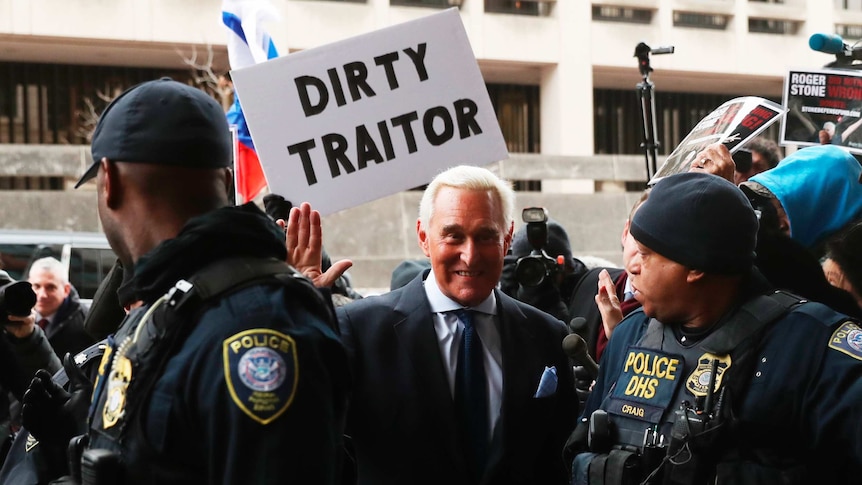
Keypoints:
(226, 347)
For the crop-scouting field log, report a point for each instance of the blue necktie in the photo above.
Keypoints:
(471, 395)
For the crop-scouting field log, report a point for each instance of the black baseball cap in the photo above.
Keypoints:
(162, 122)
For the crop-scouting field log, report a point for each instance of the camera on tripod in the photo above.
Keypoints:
(532, 270)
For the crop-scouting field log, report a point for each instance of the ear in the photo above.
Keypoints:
(423, 238)
(625, 232)
(67, 288)
(110, 185)
(694, 275)
(507, 239)
(228, 183)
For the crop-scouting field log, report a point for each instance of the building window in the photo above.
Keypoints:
(527, 185)
(425, 3)
(767, 1)
(855, 5)
(517, 108)
(59, 104)
(523, 7)
(31, 183)
(619, 127)
(771, 26)
(622, 14)
(849, 31)
(700, 20)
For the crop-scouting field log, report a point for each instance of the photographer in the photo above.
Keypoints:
(540, 269)
(24, 349)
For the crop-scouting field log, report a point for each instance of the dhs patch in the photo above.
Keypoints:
(847, 339)
(261, 371)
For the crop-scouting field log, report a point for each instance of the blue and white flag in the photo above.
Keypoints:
(248, 44)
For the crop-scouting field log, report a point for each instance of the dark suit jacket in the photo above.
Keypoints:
(66, 333)
(402, 418)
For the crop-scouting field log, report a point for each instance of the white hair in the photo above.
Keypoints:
(53, 266)
(470, 178)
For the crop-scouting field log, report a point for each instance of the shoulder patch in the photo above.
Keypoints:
(261, 370)
(31, 443)
(847, 338)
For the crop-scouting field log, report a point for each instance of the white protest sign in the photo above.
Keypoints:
(359, 119)
(733, 123)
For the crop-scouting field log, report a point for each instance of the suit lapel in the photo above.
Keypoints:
(518, 353)
(417, 337)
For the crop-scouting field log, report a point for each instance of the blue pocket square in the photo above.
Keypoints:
(548, 384)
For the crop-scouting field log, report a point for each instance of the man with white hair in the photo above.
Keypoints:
(454, 381)
(59, 311)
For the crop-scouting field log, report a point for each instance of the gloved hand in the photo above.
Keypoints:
(53, 414)
(276, 206)
(583, 384)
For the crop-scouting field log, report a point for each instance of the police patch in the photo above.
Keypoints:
(261, 370)
(646, 385)
(847, 339)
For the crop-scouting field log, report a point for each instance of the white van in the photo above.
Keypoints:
(86, 255)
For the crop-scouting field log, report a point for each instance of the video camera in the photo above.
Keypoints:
(532, 270)
(16, 298)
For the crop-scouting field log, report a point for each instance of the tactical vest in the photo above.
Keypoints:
(138, 353)
(645, 425)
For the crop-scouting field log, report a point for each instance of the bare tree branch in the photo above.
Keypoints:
(89, 116)
(204, 77)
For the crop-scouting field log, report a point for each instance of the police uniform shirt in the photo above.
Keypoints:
(803, 397)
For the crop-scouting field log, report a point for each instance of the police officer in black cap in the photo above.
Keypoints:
(718, 377)
(229, 369)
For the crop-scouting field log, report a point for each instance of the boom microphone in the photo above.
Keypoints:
(578, 325)
(575, 347)
(828, 43)
(834, 44)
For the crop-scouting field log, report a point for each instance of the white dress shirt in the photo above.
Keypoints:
(628, 291)
(449, 330)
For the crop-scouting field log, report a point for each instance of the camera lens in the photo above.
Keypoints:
(530, 271)
(17, 299)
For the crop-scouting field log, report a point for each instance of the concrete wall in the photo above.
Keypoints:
(377, 235)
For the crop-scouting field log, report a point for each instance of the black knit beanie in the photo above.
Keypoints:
(699, 220)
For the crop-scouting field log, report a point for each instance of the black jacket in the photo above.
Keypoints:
(66, 332)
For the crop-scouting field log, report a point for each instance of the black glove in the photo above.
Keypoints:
(53, 414)
(276, 206)
(583, 383)
(545, 297)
